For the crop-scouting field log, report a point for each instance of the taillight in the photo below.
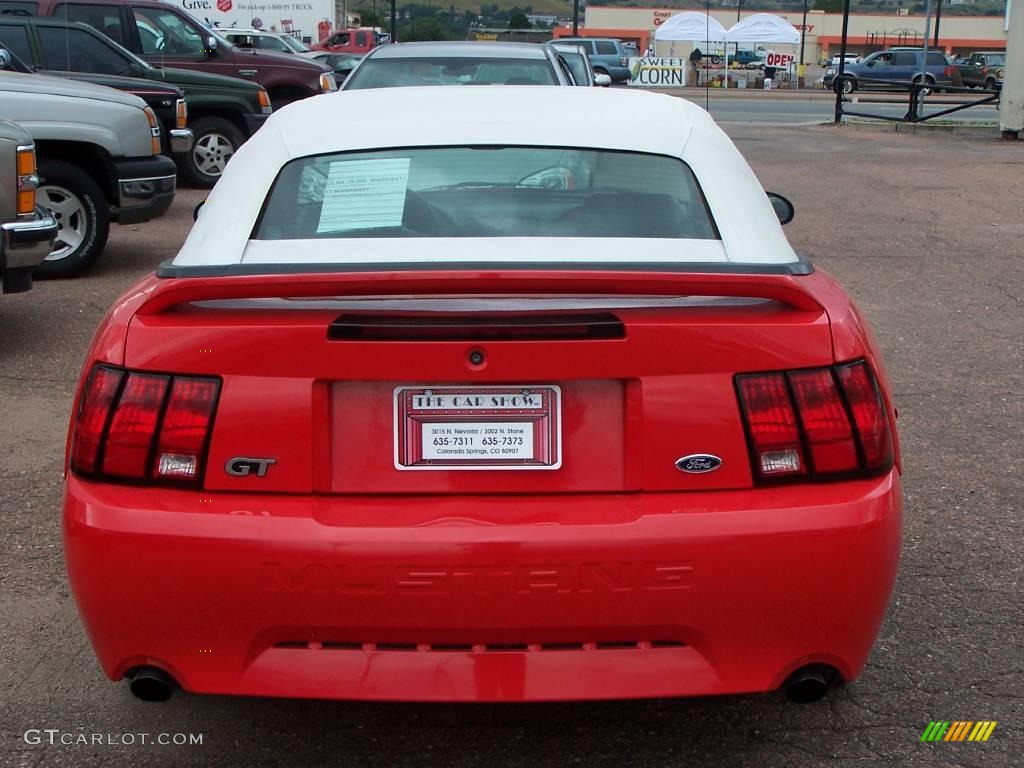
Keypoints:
(143, 426)
(771, 424)
(818, 423)
(948, 71)
(28, 179)
(869, 417)
(185, 428)
(623, 61)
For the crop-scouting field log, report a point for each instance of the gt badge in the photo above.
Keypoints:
(243, 467)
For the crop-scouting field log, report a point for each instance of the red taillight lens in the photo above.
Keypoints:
(185, 428)
(824, 420)
(835, 415)
(771, 424)
(130, 437)
(97, 397)
(143, 426)
(869, 415)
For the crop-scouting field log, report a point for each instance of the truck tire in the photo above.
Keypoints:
(929, 82)
(82, 214)
(844, 84)
(216, 140)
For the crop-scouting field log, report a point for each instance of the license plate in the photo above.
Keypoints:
(452, 428)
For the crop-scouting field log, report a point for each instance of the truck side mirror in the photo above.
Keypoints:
(211, 46)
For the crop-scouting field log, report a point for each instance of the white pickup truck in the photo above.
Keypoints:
(26, 231)
(99, 161)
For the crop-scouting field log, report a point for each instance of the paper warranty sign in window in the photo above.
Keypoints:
(364, 194)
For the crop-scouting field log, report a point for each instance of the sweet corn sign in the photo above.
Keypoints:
(659, 73)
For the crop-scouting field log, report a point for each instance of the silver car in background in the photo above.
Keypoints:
(459, 63)
(576, 58)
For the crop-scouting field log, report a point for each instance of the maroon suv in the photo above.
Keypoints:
(164, 34)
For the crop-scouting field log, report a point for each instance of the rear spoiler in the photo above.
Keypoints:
(786, 287)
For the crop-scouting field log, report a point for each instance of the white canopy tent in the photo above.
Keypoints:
(691, 27)
(700, 27)
(763, 28)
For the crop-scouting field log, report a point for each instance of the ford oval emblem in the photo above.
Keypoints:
(698, 463)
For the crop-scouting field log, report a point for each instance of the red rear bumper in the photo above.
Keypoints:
(499, 598)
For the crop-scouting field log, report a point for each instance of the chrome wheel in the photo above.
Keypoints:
(212, 152)
(72, 220)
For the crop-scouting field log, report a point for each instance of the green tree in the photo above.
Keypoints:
(371, 19)
(424, 28)
(519, 21)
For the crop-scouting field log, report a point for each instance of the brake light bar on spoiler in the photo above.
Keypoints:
(792, 290)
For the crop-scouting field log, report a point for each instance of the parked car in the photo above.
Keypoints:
(165, 35)
(358, 40)
(167, 101)
(897, 66)
(262, 40)
(747, 59)
(578, 62)
(608, 55)
(458, 63)
(341, 63)
(26, 230)
(99, 162)
(560, 414)
(223, 111)
(984, 69)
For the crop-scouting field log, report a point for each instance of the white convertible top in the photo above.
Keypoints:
(615, 119)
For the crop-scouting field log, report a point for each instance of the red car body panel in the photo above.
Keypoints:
(616, 576)
(243, 594)
(352, 40)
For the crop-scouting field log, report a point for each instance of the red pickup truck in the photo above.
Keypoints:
(165, 35)
(356, 40)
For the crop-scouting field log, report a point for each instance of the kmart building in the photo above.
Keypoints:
(867, 32)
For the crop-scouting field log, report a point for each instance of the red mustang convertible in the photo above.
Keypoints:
(443, 402)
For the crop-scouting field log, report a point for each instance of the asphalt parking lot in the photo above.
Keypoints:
(925, 231)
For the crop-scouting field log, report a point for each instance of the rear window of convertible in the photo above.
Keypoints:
(486, 192)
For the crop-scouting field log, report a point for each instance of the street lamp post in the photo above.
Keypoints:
(394, 21)
(803, 38)
(801, 71)
(575, 18)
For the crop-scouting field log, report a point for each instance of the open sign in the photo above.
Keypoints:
(773, 59)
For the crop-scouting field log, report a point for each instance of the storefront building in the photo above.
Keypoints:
(867, 32)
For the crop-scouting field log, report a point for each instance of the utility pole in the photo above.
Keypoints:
(1011, 101)
(842, 60)
(394, 21)
(739, 9)
(924, 57)
(803, 44)
(575, 18)
(938, 20)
